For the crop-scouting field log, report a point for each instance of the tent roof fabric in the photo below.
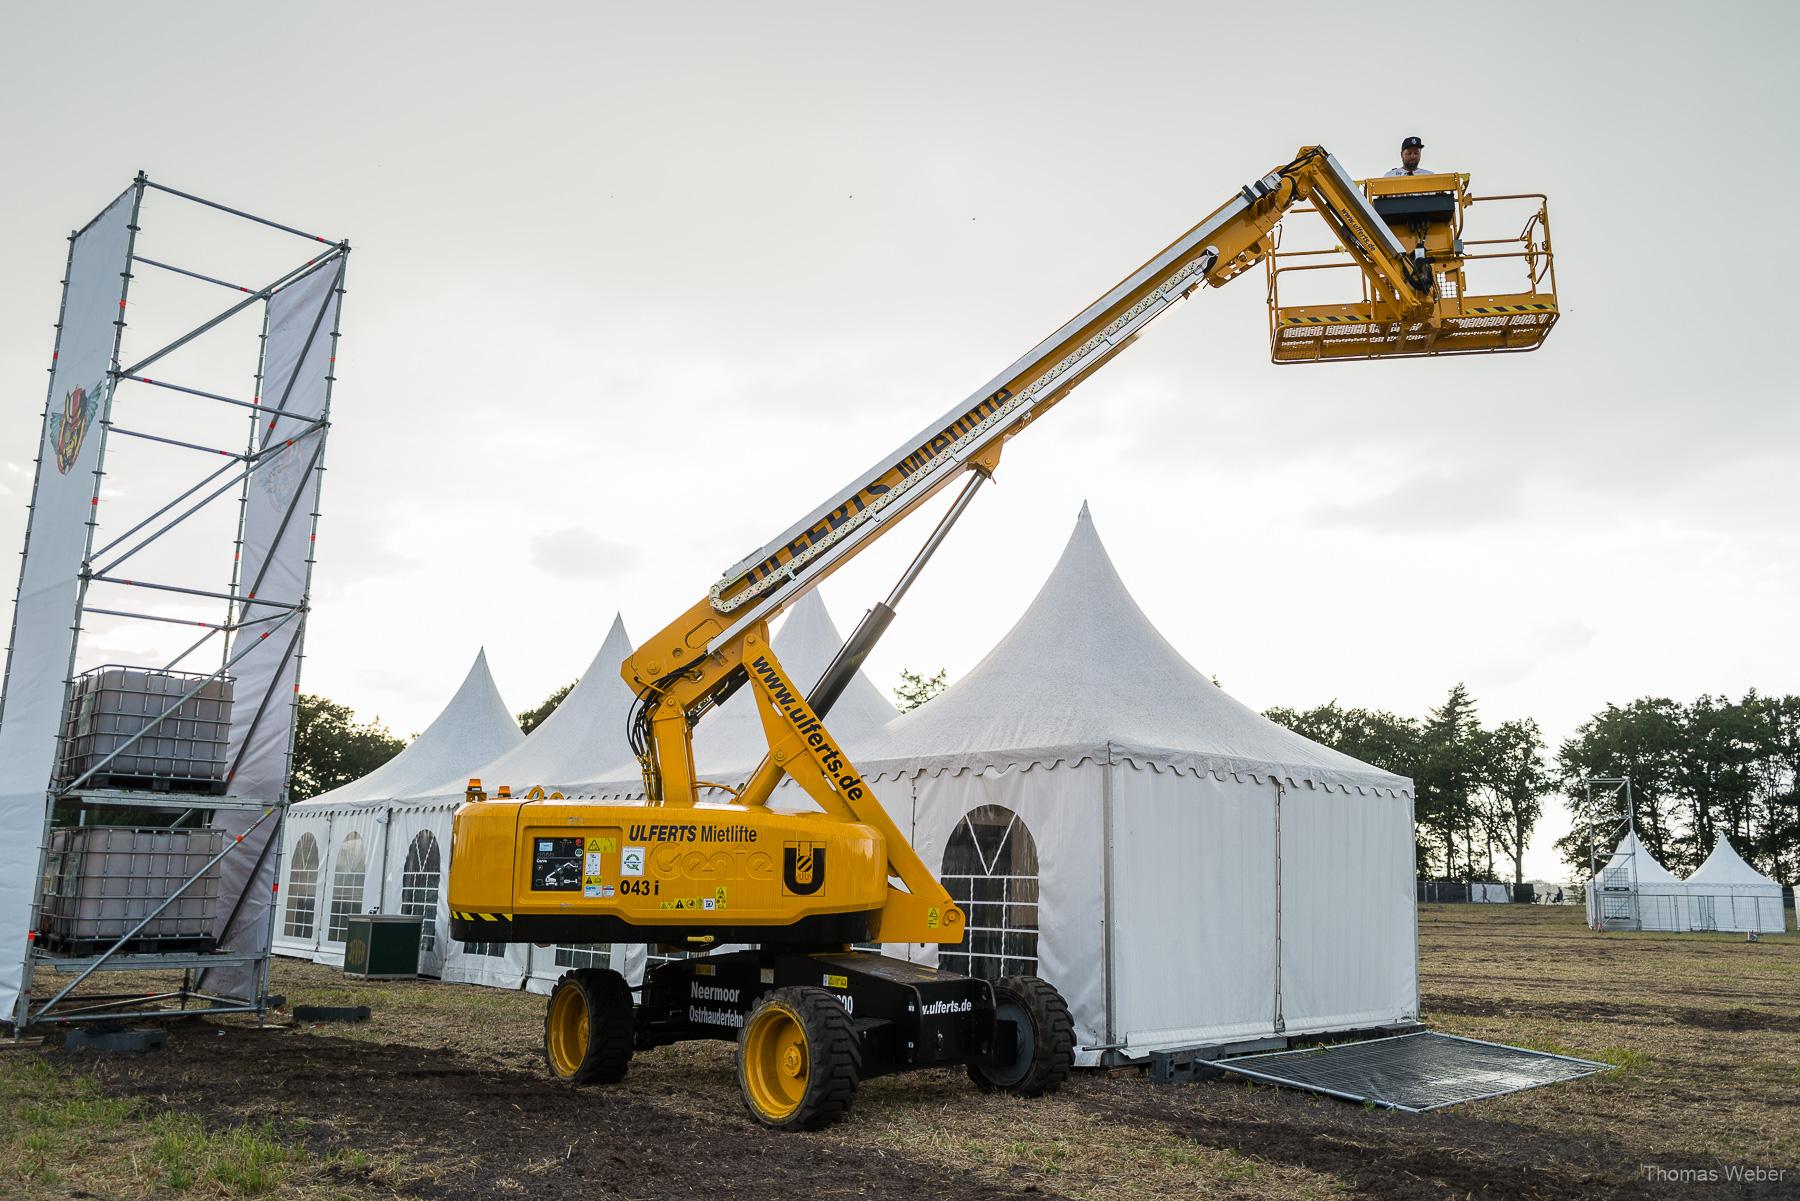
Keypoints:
(1726, 866)
(1084, 673)
(731, 742)
(580, 743)
(1630, 851)
(473, 728)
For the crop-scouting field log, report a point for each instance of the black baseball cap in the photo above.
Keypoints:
(1412, 144)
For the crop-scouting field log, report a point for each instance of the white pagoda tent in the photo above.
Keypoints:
(579, 745)
(356, 850)
(1634, 892)
(1725, 893)
(1184, 870)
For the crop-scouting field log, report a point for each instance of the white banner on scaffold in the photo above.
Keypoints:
(281, 503)
(64, 495)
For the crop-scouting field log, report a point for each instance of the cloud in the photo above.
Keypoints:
(573, 553)
(1515, 658)
(357, 550)
(1432, 503)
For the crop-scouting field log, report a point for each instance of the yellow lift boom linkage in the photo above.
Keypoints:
(676, 870)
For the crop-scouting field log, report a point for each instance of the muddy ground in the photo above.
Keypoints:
(442, 1095)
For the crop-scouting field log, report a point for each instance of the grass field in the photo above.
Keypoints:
(442, 1095)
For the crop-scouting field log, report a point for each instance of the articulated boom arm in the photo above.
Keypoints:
(722, 642)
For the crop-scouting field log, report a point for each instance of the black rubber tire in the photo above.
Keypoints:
(612, 1023)
(1045, 1063)
(834, 1057)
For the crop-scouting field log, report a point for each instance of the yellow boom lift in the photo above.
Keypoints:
(812, 1016)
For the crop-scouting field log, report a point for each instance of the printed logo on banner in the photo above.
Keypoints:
(68, 429)
(280, 474)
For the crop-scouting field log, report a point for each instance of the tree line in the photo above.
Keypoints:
(1709, 768)
(1478, 791)
(1699, 770)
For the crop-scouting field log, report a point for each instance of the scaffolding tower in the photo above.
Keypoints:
(1614, 906)
(160, 824)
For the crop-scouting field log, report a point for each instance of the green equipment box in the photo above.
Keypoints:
(382, 946)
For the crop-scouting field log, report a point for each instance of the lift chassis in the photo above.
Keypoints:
(811, 1016)
(905, 1015)
(811, 1025)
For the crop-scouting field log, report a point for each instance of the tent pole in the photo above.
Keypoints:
(1107, 942)
(1280, 1020)
(1412, 824)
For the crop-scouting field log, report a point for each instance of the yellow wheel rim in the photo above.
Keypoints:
(776, 1063)
(566, 1033)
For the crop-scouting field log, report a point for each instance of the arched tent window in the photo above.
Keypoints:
(346, 887)
(303, 889)
(419, 881)
(991, 870)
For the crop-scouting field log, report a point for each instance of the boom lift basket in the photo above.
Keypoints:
(1493, 293)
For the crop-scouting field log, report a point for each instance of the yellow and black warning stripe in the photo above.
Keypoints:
(1494, 309)
(486, 917)
(1326, 319)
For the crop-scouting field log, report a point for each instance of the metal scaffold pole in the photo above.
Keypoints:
(1615, 786)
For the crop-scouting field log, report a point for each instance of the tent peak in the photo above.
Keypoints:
(472, 728)
(1725, 866)
(577, 745)
(1632, 856)
(1084, 667)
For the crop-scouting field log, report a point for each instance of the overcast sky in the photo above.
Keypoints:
(636, 286)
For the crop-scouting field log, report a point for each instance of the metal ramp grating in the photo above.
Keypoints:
(1413, 1072)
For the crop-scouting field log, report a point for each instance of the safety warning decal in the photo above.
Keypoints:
(592, 883)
